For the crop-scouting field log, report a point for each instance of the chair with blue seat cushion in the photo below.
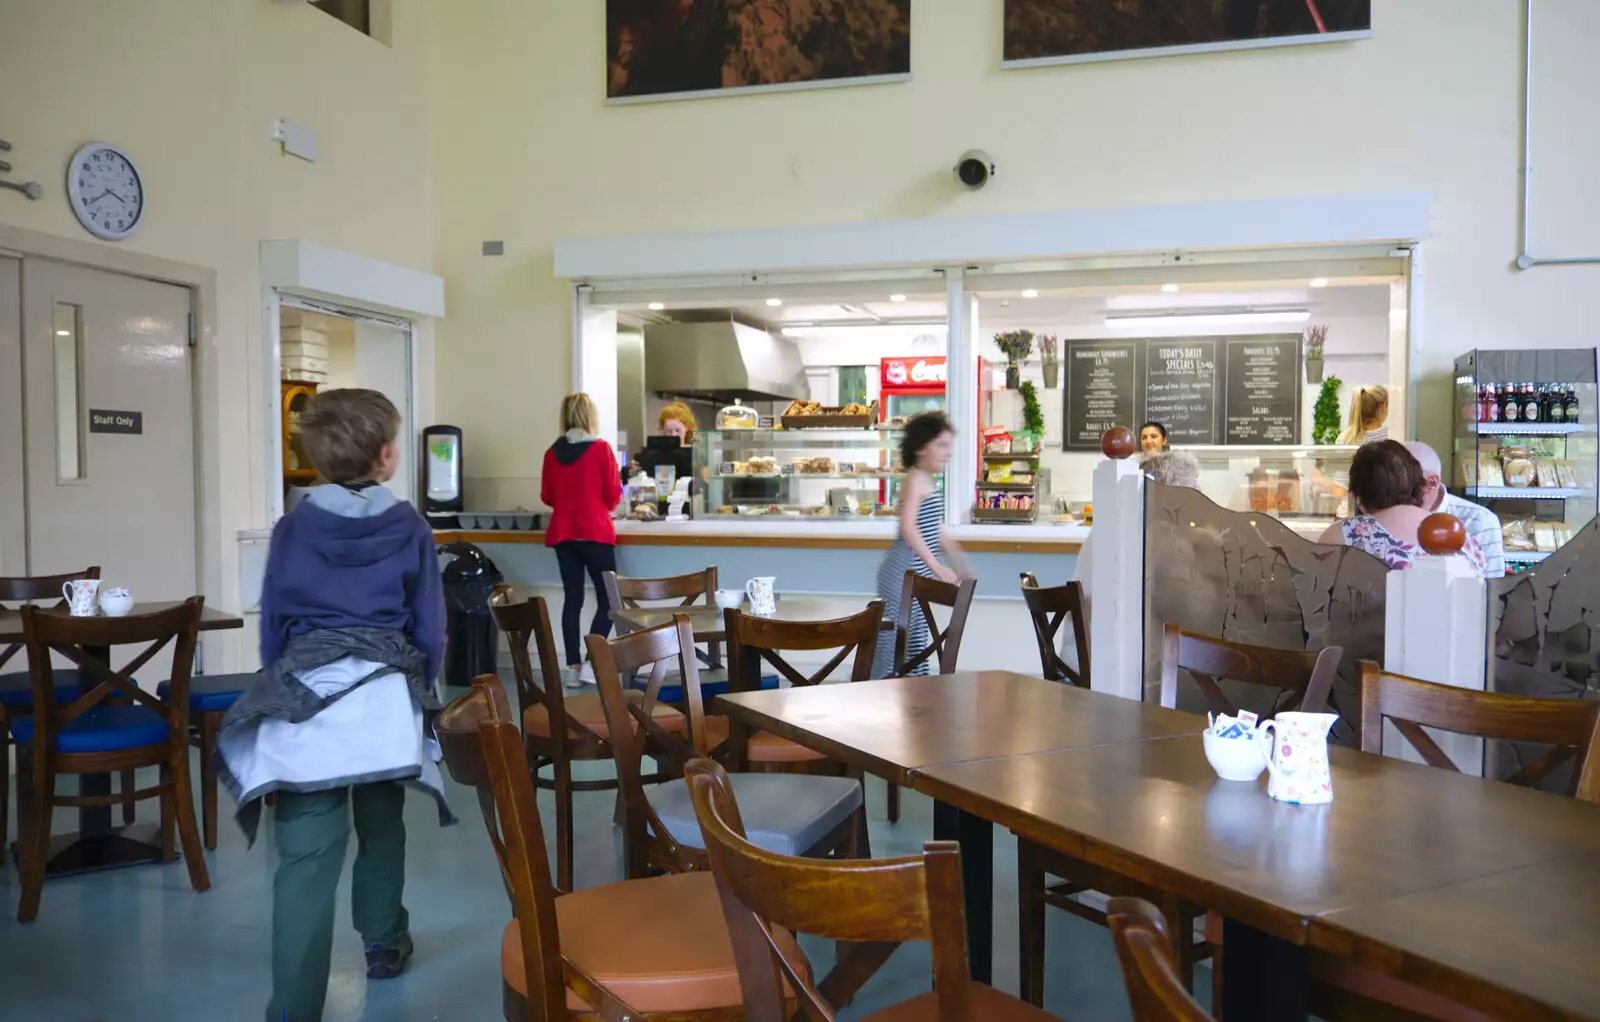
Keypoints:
(622, 591)
(672, 691)
(16, 687)
(210, 696)
(800, 813)
(113, 726)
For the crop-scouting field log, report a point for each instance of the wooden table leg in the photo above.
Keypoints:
(1266, 978)
(976, 837)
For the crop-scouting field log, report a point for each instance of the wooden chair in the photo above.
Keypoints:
(1340, 988)
(793, 813)
(558, 728)
(919, 595)
(753, 639)
(89, 735)
(1156, 992)
(638, 949)
(16, 687)
(875, 906)
(686, 589)
(1050, 610)
(1304, 676)
(210, 697)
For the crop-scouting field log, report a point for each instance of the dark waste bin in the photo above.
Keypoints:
(471, 639)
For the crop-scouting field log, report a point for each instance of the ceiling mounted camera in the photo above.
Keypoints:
(974, 169)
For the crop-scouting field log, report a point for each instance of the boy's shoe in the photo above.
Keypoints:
(388, 962)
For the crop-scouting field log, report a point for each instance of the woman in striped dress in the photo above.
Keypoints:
(922, 539)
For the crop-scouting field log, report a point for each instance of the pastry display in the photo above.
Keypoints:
(738, 417)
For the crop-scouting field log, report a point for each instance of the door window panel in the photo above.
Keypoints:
(69, 392)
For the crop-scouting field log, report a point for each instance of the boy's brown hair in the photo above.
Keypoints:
(345, 431)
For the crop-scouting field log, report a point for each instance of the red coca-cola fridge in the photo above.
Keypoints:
(907, 386)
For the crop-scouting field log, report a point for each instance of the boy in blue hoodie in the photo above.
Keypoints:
(352, 637)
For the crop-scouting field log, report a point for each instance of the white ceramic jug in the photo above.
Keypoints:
(1298, 759)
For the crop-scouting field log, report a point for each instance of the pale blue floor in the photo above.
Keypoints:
(137, 945)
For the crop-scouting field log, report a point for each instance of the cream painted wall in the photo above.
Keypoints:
(526, 152)
(188, 88)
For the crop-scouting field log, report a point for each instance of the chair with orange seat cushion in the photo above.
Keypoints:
(753, 639)
(1156, 993)
(918, 596)
(1570, 728)
(640, 949)
(871, 907)
(558, 729)
(799, 814)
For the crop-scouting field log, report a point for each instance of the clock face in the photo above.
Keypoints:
(105, 191)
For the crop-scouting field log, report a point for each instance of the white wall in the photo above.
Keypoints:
(1431, 102)
(195, 86)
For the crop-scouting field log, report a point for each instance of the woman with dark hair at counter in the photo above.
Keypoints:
(1152, 439)
(922, 538)
(1387, 486)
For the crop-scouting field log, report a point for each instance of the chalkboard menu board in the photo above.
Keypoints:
(1205, 390)
(1101, 377)
(1180, 388)
(1263, 402)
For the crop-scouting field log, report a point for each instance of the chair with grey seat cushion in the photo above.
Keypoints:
(795, 814)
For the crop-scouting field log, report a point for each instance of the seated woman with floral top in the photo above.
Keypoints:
(1387, 485)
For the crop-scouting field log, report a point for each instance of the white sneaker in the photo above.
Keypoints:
(572, 677)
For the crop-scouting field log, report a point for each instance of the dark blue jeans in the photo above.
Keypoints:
(574, 557)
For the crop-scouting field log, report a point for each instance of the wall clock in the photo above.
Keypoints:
(105, 190)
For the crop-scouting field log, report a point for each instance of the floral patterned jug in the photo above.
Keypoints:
(1298, 759)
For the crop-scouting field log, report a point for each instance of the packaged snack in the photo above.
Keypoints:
(1567, 475)
(1545, 471)
(999, 474)
(1518, 471)
(1489, 473)
(1518, 535)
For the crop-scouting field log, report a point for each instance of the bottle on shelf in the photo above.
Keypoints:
(1486, 407)
(1570, 405)
(1510, 406)
(1530, 404)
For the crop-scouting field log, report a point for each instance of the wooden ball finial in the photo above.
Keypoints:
(1118, 443)
(1442, 534)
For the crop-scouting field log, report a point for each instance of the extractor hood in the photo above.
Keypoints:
(722, 361)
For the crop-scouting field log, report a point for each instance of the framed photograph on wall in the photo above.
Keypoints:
(660, 50)
(1040, 33)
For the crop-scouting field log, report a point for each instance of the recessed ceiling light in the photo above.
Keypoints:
(773, 303)
(63, 333)
(1221, 318)
(1030, 293)
(1320, 282)
(897, 298)
(657, 306)
(1169, 288)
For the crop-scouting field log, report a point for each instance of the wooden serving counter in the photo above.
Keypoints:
(874, 535)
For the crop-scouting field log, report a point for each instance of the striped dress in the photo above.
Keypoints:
(891, 577)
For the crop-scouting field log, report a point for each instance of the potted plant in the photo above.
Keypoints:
(1325, 413)
(1016, 345)
(1315, 337)
(1050, 356)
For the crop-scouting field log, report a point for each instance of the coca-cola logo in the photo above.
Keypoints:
(895, 372)
(901, 371)
(927, 372)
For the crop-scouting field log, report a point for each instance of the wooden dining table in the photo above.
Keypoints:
(708, 621)
(97, 844)
(899, 727)
(1394, 863)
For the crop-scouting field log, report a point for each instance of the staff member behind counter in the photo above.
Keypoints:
(1152, 439)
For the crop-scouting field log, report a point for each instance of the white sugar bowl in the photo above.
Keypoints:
(1234, 759)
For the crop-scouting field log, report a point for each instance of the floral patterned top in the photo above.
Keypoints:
(1365, 533)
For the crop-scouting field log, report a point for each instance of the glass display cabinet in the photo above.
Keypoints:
(838, 473)
(1525, 445)
(1303, 487)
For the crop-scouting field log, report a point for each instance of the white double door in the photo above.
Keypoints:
(97, 428)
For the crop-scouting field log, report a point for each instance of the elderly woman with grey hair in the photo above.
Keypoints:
(1169, 468)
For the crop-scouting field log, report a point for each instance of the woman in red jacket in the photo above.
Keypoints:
(581, 485)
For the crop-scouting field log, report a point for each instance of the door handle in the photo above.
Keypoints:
(5, 168)
(31, 189)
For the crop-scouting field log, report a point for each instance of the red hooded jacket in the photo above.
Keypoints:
(581, 485)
